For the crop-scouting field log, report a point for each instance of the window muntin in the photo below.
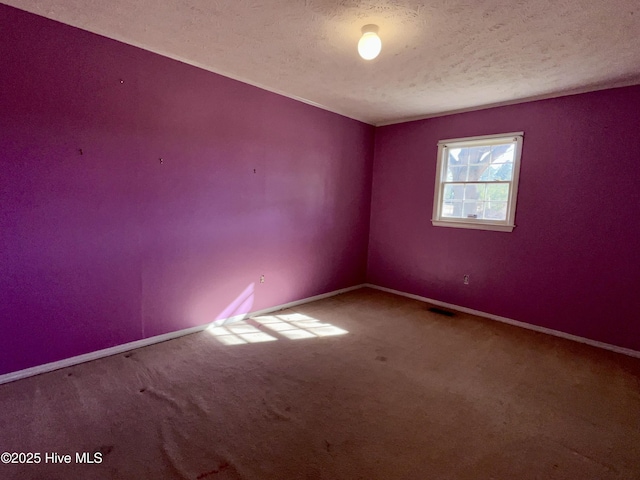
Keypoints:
(477, 181)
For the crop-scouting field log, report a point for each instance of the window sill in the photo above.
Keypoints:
(497, 227)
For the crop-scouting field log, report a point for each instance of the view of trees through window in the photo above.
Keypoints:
(477, 181)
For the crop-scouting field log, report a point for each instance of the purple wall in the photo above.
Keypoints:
(111, 246)
(572, 263)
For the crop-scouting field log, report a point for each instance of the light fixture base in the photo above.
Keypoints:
(370, 28)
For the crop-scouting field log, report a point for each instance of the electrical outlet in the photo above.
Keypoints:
(261, 278)
(465, 279)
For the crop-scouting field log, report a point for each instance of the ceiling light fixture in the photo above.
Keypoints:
(370, 44)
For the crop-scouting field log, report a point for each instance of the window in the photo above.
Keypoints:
(477, 182)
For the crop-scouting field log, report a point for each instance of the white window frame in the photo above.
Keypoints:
(506, 225)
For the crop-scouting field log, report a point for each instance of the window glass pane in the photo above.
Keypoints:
(502, 153)
(457, 174)
(458, 156)
(453, 192)
(497, 192)
(498, 171)
(476, 172)
(479, 155)
(472, 209)
(474, 191)
(495, 210)
(452, 208)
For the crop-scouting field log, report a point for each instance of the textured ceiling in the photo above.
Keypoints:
(438, 56)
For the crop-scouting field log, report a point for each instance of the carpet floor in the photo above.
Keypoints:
(364, 385)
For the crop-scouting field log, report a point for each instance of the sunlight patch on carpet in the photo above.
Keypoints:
(239, 333)
(292, 326)
(296, 325)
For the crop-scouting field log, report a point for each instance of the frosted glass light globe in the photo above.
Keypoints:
(370, 44)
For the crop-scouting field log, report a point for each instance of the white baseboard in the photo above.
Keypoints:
(528, 326)
(107, 352)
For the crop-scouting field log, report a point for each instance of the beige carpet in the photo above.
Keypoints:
(365, 385)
